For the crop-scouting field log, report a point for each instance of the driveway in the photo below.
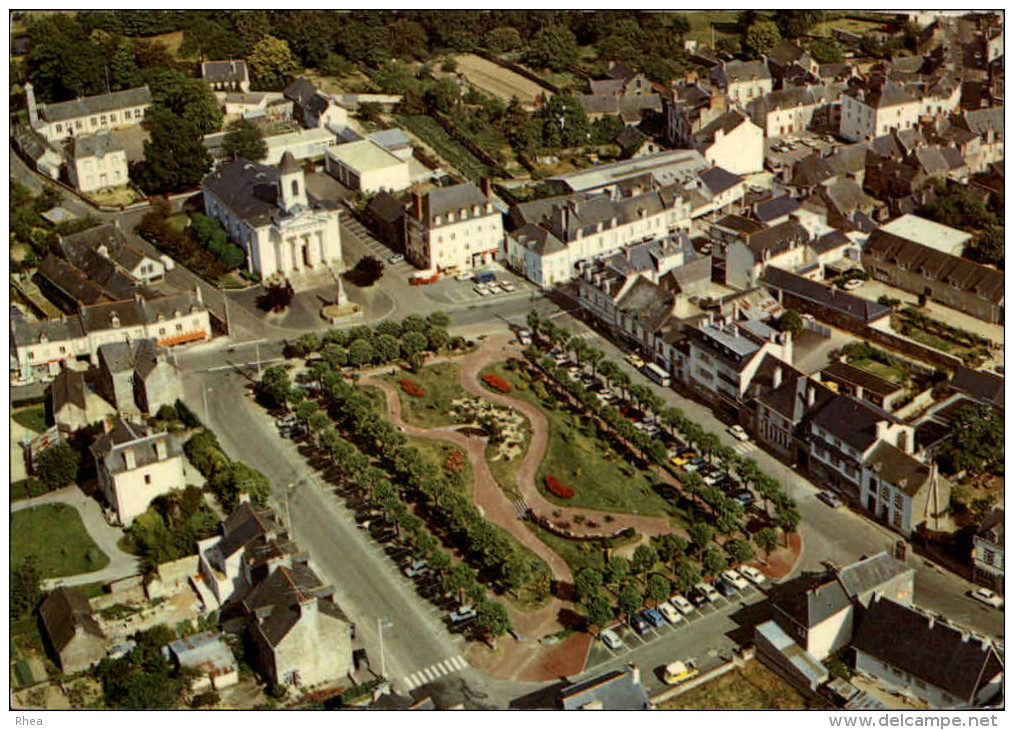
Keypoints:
(121, 564)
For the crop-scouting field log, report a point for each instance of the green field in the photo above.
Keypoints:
(892, 373)
(576, 553)
(55, 535)
(33, 418)
(441, 384)
(430, 132)
(578, 457)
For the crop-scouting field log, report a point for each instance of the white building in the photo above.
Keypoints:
(871, 112)
(988, 551)
(88, 115)
(134, 466)
(732, 142)
(267, 211)
(367, 166)
(231, 75)
(314, 108)
(929, 233)
(453, 228)
(39, 348)
(743, 81)
(95, 162)
(785, 112)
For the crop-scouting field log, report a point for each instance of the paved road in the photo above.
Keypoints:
(418, 649)
(121, 564)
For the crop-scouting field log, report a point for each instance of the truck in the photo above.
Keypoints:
(484, 277)
(427, 276)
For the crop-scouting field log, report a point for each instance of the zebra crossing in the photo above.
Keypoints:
(434, 672)
(744, 447)
(522, 508)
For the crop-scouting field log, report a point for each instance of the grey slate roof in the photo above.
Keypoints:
(68, 387)
(930, 650)
(992, 528)
(119, 246)
(136, 438)
(441, 201)
(126, 99)
(811, 170)
(31, 142)
(898, 468)
(769, 210)
(725, 123)
(93, 145)
(218, 72)
(538, 239)
(63, 612)
(856, 376)
(54, 330)
(615, 690)
(830, 241)
(276, 600)
(777, 239)
(718, 179)
(979, 384)
(865, 310)
(249, 189)
(246, 523)
(958, 272)
(853, 421)
(647, 302)
(810, 607)
(870, 573)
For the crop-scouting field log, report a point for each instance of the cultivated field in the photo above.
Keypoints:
(498, 80)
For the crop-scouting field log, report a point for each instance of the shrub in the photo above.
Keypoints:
(411, 387)
(496, 383)
(560, 490)
(455, 461)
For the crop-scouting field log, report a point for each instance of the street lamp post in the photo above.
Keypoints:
(381, 624)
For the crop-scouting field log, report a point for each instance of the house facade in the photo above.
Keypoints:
(868, 112)
(732, 142)
(88, 115)
(267, 211)
(988, 552)
(453, 228)
(95, 162)
(72, 630)
(134, 466)
(367, 166)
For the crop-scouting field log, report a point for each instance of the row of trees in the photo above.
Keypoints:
(399, 472)
(228, 479)
(204, 247)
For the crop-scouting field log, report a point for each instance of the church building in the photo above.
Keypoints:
(284, 231)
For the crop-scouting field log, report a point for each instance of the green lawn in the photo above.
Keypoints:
(578, 457)
(441, 384)
(893, 373)
(27, 488)
(376, 396)
(33, 418)
(702, 20)
(576, 553)
(506, 472)
(430, 132)
(55, 535)
(437, 451)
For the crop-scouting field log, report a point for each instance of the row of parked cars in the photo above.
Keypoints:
(728, 584)
(289, 427)
(685, 458)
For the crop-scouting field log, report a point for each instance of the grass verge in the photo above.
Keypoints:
(56, 536)
(441, 384)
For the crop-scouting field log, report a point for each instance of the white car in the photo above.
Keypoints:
(462, 614)
(984, 595)
(852, 284)
(752, 574)
(739, 433)
(481, 289)
(463, 276)
(682, 604)
(736, 579)
(611, 639)
(669, 613)
(709, 591)
(396, 259)
(507, 286)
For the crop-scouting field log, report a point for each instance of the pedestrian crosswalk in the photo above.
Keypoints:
(744, 447)
(522, 508)
(434, 672)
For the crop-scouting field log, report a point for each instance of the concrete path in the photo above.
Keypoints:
(121, 564)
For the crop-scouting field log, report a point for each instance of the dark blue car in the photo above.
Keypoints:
(639, 624)
(654, 618)
(725, 588)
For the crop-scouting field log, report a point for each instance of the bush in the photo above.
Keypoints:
(560, 490)
(496, 383)
(411, 387)
(187, 416)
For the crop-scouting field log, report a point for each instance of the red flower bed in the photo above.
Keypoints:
(560, 490)
(496, 383)
(411, 387)
(455, 461)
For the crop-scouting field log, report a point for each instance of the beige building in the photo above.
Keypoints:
(95, 162)
(872, 112)
(453, 228)
(134, 466)
(74, 634)
(137, 376)
(301, 637)
(732, 142)
(87, 115)
(366, 166)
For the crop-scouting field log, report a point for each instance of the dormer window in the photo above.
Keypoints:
(475, 210)
(438, 220)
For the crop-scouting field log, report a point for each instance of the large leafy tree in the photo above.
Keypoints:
(761, 38)
(189, 99)
(62, 62)
(57, 466)
(271, 62)
(795, 23)
(244, 139)
(553, 47)
(976, 442)
(175, 158)
(987, 248)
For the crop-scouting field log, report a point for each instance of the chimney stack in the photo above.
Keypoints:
(487, 186)
(417, 206)
(129, 462)
(33, 110)
(811, 395)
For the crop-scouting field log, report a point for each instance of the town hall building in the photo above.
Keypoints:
(266, 210)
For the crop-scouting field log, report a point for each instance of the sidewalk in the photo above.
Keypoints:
(121, 564)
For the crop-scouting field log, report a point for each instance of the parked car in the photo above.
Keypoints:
(669, 613)
(640, 625)
(463, 276)
(653, 617)
(708, 590)
(682, 604)
(635, 360)
(739, 433)
(736, 579)
(695, 464)
(725, 588)
(611, 639)
(984, 595)
(678, 672)
(417, 569)
(830, 499)
(481, 289)
(852, 284)
(525, 337)
(396, 259)
(744, 497)
(714, 477)
(752, 574)
(697, 597)
(507, 286)
(465, 613)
